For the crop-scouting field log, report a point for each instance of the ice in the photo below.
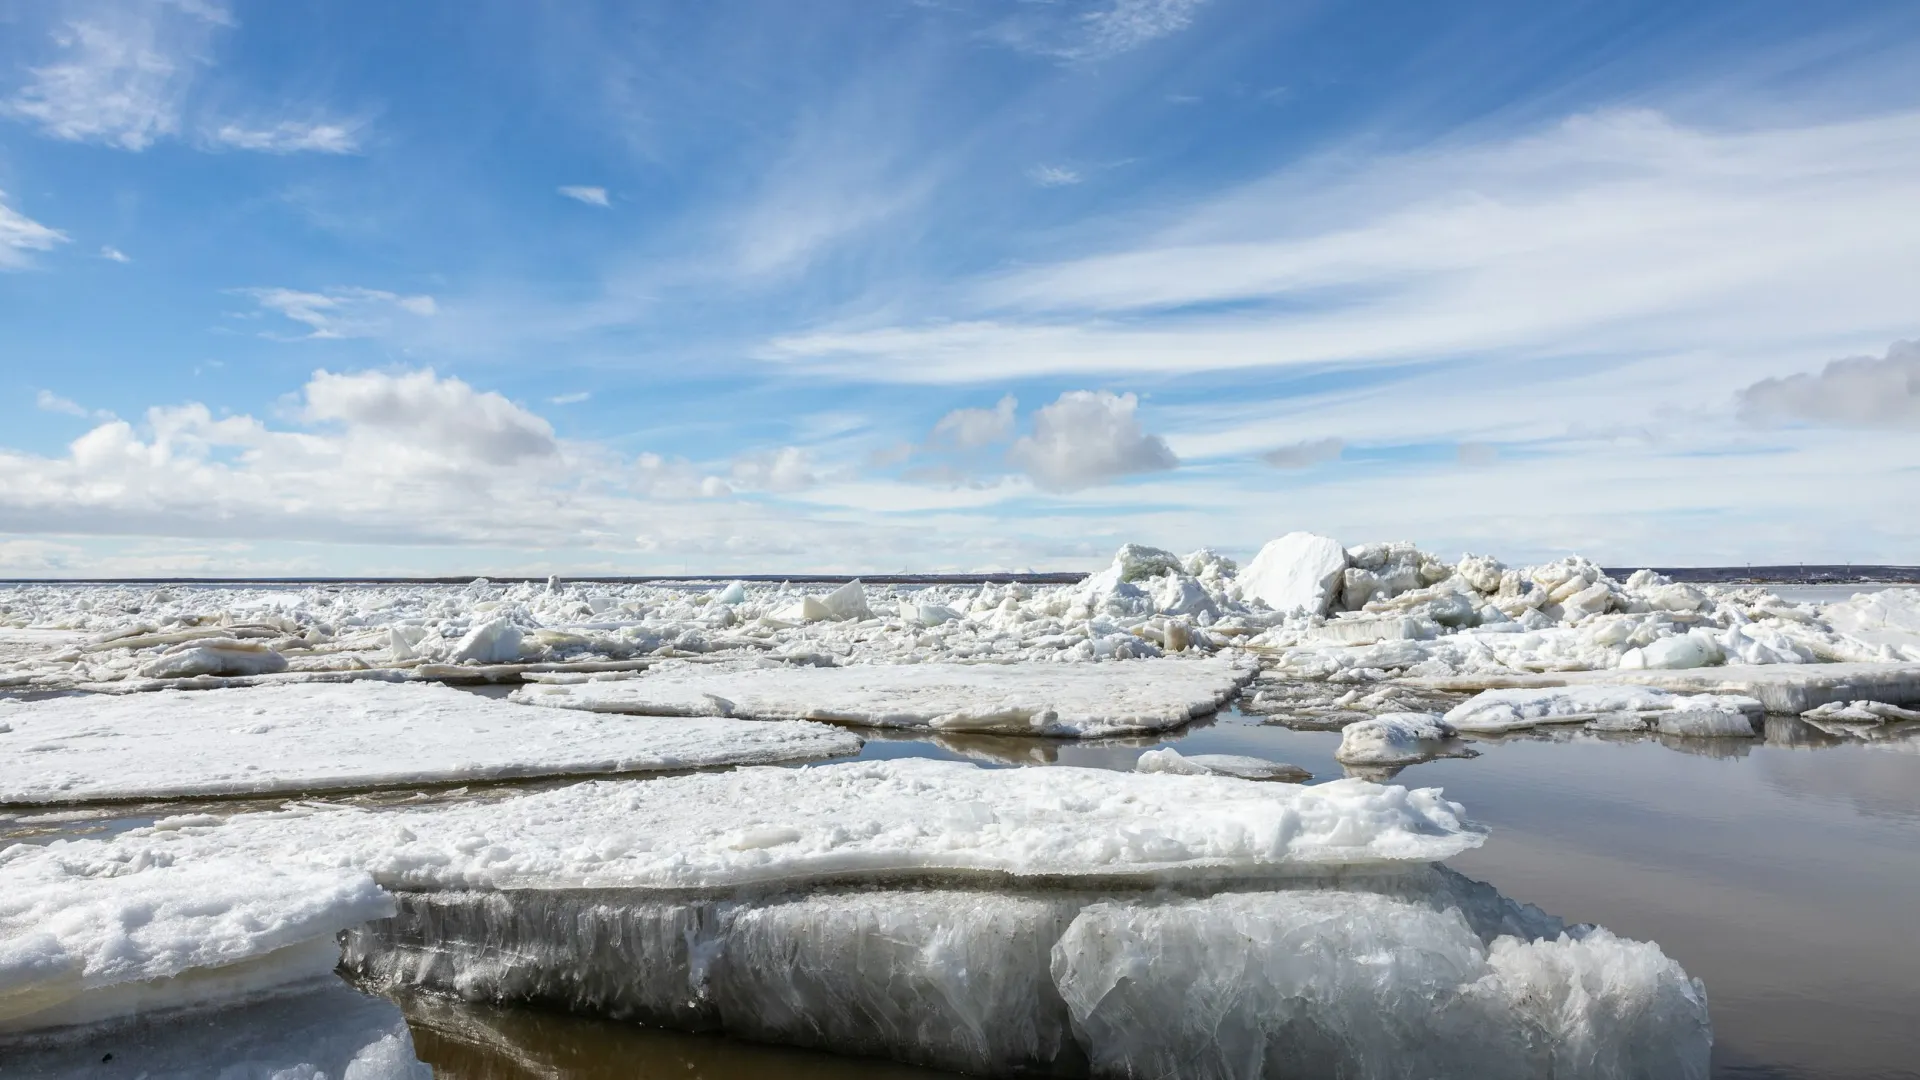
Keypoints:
(496, 641)
(1393, 739)
(1298, 572)
(1495, 711)
(1780, 688)
(859, 820)
(89, 931)
(175, 744)
(1682, 651)
(735, 593)
(1887, 620)
(315, 1029)
(1169, 760)
(1075, 700)
(215, 656)
(1864, 712)
(849, 601)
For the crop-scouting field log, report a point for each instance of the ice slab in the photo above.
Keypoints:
(1298, 572)
(1075, 700)
(1494, 711)
(89, 931)
(314, 737)
(214, 656)
(859, 820)
(1393, 739)
(1861, 712)
(1169, 760)
(323, 1028)
(1781, 688)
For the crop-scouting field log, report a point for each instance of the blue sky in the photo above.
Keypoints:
(305, 287)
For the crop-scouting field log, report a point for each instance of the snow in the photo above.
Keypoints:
(1074, 700)
(93, 931)
(1169, 760)
(315, 737)
(1298, 572)
(215, 656)
(1495, 711)
(320, 1028)
(863, 819)
(1393, 739)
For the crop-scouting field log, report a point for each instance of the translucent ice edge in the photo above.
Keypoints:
(1416, 972)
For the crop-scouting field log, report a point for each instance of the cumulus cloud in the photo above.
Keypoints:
(1088, 437)
(342, 312)
(290, 137)
(443, 417)
(1869, 391)
(970, 429)
(592, 196)
(20, 235)
(784, 470)
(1301, 455)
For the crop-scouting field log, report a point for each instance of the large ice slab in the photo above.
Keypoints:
(93, 931)
(1297, 572)
(1614, 706)
(859, 820)
(1781, 688)
(316, 737)
(1079, 700)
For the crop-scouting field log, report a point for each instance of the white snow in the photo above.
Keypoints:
(864, 819)
(1298, 572)
(1169, 760)
(1393, 739)
(1077, 700)
(315, 737)
(91, 931)
(1495, 711)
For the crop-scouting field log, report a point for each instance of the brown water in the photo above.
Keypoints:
(1785, 873)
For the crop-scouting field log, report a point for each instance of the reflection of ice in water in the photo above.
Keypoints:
(320, 1028)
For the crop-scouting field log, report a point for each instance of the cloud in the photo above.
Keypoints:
(970, 429)
(121, 80)
(114, 254)
(1866, 391)
(290, 137)
(1476, 454)
(1053, 176)
(442, 417)
(1107, 30)
(1088, 437)
(20, 234)
(48, 401)
(1301, 455)
(780, 471)
(342, 312)
(592, 196)
(574, 398)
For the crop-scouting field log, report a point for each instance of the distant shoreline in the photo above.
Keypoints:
(1803, 574)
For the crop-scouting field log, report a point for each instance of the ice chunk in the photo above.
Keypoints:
(90, 932)
(1393, 739)
(733, 594)
(1888, 619)
(1863, 712)
(928, 615)
(214, 656)
(859, 820)
(1513, 709)
(314, 737)
(1674, 653)
(1781, 688)
(1354, 984)
(494, 642)
(1078, 700)
(1169, 760)
(849, 601)
(1298, 572)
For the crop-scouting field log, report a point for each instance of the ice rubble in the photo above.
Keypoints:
(1169, 760)
(1612, 707)
(353, 735)
(1082, 701)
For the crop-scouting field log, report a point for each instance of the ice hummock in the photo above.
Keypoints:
(1078, 700)
(320, 737)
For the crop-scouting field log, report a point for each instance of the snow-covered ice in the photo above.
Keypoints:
(1862, 712)
(1169, 760)
(351, 735)
(1615, 707)
(1298, 572)
(1394, 739)
(1078, 700)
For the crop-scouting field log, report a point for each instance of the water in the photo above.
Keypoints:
(1782, 872)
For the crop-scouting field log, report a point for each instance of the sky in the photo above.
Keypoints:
(341, 288)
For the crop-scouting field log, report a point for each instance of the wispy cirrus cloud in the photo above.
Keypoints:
(290, 137)
(347, 312)
(592, 196)
(20, 236)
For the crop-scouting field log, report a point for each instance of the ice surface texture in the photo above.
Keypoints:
(314, 737)
(860, 820)
(1414, 973)
(1078, 700)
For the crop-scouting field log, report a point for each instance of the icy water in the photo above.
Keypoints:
(1784, 873)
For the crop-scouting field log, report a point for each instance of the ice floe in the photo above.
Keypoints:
(304, 738)
(1394, 739)
(1169, 760)
(1613, 707)
(1021, 698)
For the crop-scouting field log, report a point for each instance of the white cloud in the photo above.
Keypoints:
(1863, 391)
(434, 416)
(1477, 454)
(1302, 455)
(1617, 233)
(1107, 30)
(592, 196)
(48, 401)
(342, 312)
(114, 254)
(787, 469)
(1053, 175)
(20, 234)
(970, 429)
(1088, 437)
(290, 137)
(574, 398)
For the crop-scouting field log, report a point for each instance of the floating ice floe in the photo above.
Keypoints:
(1780, 688)
(1169, 760)
(1861, 712)
(1612, 707)
(1081, 701)
(260, 740)
(1394, 739)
